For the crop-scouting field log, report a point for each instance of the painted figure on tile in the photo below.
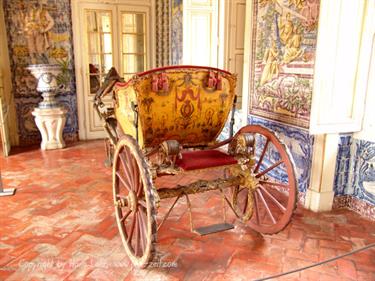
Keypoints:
(293, 49)
(38, 23)
(286, 28)
(310, 12)
(297, 3)
(271, 69)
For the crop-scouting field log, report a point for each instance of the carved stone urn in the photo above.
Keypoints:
(46, 75)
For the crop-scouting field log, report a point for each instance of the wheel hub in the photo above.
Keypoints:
(247, 178)
(132, 200)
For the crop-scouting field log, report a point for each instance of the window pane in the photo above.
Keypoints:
(139, 23)
(133, 23)
(133, 63)
(106, 22)
(94, 47)
(133, 43)
(94, 60)
(128, 23)
(91, 21)
(107, 63)
(107, 43)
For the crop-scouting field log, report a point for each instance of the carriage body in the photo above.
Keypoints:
(187, 104)
(166, 121)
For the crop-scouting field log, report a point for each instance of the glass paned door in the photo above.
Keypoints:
(109, 35)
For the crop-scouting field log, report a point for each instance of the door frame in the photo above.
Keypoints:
(79, 55)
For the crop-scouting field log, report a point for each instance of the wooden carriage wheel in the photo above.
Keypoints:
(274, 199)
(134, 201)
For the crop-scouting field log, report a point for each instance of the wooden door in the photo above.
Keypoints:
(236, 12)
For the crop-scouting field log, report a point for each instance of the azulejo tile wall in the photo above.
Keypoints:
(354, 183)
(40, 31)
(300, 144)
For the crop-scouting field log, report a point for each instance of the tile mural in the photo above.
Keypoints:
(285, 33)
(355, 169)
(300, 144)
(40, 31)
(343, 162)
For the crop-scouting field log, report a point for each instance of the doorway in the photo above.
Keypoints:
(105, 35)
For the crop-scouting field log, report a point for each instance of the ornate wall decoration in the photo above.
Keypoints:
(40, 31)
(285, 34)
(163, 34)
(176, 32)
(364, 170)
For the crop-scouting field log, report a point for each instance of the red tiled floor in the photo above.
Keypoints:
(60, 226)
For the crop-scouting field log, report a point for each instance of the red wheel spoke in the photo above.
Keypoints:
(132, 228)
(256, 208)
(142, 228)
(142, 203)
(135, 174)
(261, 156)
(275, 184)
(266, 206)
(137, 236)
(129, 160)
(269, 169)
(241, 189)
(124, 181)
(140, 187)
(126, 215)
(278, 204)
(125, 168)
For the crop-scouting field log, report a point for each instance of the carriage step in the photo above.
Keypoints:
(213, 228)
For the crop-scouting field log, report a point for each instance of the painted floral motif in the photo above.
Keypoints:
(284, 52)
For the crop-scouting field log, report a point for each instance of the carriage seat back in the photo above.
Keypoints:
(189, 104)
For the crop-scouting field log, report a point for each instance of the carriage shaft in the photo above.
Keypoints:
(199, 186)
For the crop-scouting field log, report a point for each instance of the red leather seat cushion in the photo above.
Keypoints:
(201, 159)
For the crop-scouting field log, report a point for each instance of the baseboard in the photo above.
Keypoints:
(361, 207)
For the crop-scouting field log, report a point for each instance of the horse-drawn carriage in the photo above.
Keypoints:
(166, 122)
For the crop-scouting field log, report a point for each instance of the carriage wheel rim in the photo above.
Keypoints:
(136, 217)
(264, 195)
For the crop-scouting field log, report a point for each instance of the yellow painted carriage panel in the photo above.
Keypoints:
(190, 105)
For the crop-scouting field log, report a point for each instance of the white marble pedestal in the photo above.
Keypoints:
(51, 122)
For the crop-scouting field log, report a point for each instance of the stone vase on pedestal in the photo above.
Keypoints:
(50, 116)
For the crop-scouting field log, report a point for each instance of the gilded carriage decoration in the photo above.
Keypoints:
(165, 122)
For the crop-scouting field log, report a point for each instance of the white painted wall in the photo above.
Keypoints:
(368, 128)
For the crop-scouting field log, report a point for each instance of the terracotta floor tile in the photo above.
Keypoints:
(60, 225)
